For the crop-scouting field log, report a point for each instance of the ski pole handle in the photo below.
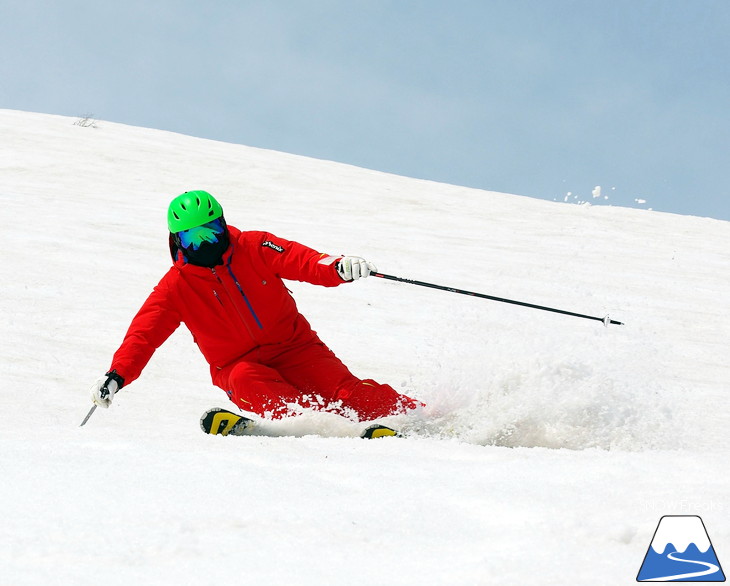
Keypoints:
(103, 394)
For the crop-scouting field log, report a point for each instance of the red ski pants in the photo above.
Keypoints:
(268, 381)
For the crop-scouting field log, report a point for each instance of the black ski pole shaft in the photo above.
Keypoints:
(606, 320)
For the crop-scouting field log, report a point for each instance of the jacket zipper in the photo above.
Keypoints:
(248, 303)
(240, 290)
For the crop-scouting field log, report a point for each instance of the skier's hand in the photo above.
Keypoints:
(104, 389)
(352, 268)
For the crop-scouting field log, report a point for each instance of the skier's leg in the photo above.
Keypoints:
(260, 389)
(314, 368)
(371, 400)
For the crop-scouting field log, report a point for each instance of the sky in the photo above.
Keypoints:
(545, 98)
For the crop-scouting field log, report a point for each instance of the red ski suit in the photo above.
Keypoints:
(261, 350)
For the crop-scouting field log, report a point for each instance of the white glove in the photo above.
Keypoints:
(352, 268)
(104, 389)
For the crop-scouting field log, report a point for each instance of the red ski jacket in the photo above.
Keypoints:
(231, 309)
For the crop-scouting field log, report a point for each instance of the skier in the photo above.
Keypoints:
(226, 286)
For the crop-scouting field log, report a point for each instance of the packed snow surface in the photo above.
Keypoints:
(550, 445)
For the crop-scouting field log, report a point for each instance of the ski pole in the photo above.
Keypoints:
(606, 320)
(93, 408)
(104, 393)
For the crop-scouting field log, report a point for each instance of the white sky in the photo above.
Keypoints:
(543, 98)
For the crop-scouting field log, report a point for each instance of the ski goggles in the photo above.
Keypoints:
(194, 237)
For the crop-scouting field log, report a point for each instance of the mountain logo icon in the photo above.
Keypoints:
(680, 551)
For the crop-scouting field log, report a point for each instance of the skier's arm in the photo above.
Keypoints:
(156, 320)
(294, 261)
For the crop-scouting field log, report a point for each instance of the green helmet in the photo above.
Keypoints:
(192, 209)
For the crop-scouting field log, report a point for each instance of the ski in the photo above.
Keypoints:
(219, 421)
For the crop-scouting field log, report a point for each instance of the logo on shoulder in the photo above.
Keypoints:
(273, 246)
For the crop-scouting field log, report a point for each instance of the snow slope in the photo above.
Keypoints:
(551, 445)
